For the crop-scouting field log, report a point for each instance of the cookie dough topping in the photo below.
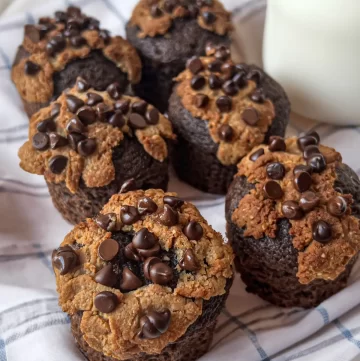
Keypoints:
(155, 17)
(230, 98)
(74, 137)
(144, 281)
(294, 179)
(54, 42)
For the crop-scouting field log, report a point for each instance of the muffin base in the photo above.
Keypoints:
(130, 161)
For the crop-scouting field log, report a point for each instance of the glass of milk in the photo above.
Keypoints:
(312, 48)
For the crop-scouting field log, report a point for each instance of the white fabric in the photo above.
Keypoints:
(33, 328)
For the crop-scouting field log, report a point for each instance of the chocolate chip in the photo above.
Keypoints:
(227, 70)
(173, 202)
(277, 144)
(317, 162)
(224, 104)
(144, 239)
(82, 85)
(168, 217)
(137, 121)
(273, 190)
(57, 141)
(57, 164)
(71, 32)
(129, 281)
(310, 150)
(258, 153)
(258, 96)
(254, 75)
(305, 141)
(139, 107)
(105, 36)
(131, 253)
(337, 206)
(86, 147)
(93, 24)
(155, 11)
(55, 45)
(31, 68)
(106, 221)
(117, 119)
(64, 259)
(161, 273)
(302, 168)
(106, 301)
(93, 98)
(75, 126)
(129, 215)
(61, 17)
(308, 201)
(239, 79)
(128, 185)
(321, 231)
(122, 105)
(292, 210)
(74, 139)
(77, 41)
(152, 116)
(34, 33)
(73, 11)
(275, 170)
(40, 141)
(106, 276)
(215, 66)
(87, 115)
(225, 133)
(55, 110)
(214, 82)
(189, 261)
(230, 88)
(108, 249)
(302, 181)
(201, 100)
(314, 134)
(195, 65)
(148, 263)
(146, 206)
(103, 111)
(73, 103)
(193, 230)
(154, 324)
(250, 116)
(114, 91)
(46, 125)
(209, 17)
(169, 6)
(198, 82)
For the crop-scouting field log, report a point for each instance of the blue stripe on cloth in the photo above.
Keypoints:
(251, 335)
(5, 59)
(324, 314)
(29, 18)
(2, 350)
(346, 333)
(44, 258)
(114, 10)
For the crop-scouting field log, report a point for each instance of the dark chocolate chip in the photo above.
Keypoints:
(255, 76)
(227, 70)
(57, 164)
(314, 134)
(292, 210)
(57, 141)
(129, 281)
(189, 261)
(224, 104)
(273, 190)
(209, 17)
(73, 103)
(277, 144)
(64, 259)
(139, 107)
(225, 133)
(31, 68)
(193, 231)
(161, 273)
(168, 216)
(122, 105)
(93, 24)
(103, 111)
(114, 91)
(47, 125)
(230, 88)
(239, 79)
(214, 82)
(108, 249)
(129, 215)
(106, 301)
(128, 185)
(117, 119)
(34, 32)
(71, 32)
(169, 6)
(82, 85)
(305, 141)
(201, 100)
(173, 202)
(106, 221)
(144, 239)
(250, 116)
(93, 98)
(105, 35)
(258, 153)
(61, 17)
(317, 162)
(337, 206)
(106, 276)
(215, 66)
(155, 11)
(40, 141)
(310, 150)
(56, 45)
(73, 11)
(55, 110)
(137, 121)
(148, 263)
(302, 168)
(86, 147)
(152, 116)
(302, 181)
(222, 53)
(195, 65)
(146, 206)
(87, 115)
(322, 231)
(75, 126)
(154, 324)
(77, 41)
(198, 82)
(275, 170)
(308, 201)
(131, 253)
(258, 96)
(74, 139)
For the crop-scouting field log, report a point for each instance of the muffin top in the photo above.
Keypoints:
(55, 42)
(74, 136)
(155, 17)
(230, 97)
(140, 271)
(295, 179)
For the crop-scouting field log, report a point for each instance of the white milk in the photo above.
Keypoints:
(312, 48)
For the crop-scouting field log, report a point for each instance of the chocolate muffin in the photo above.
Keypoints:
(220, 111)
(144, 280)
(292, 215)
(89, 143)
(58, 50)
(168, 32)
